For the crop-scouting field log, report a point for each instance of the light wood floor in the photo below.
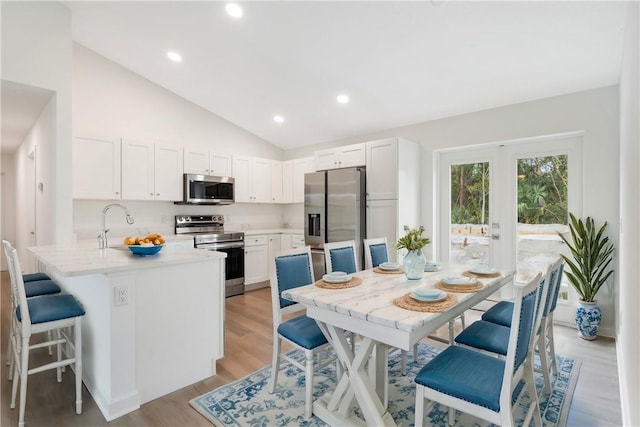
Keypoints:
(248, 338)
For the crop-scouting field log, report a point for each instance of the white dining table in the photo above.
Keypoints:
(368, 311)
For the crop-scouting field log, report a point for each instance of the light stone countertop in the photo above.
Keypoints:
(84, 258)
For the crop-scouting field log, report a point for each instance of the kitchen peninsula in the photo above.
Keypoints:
(154, 324)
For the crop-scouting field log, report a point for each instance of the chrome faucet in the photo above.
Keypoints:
(102, 237)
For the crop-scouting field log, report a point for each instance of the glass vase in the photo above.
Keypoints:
(413, 264)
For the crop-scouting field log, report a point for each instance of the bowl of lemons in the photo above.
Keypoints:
(144, 246)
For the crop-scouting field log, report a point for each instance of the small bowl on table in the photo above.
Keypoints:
(145, 250)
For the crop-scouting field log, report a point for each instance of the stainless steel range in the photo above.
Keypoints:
(209, 233)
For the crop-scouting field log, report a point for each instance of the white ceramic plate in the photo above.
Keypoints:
(336, 279)
(440, 297)
(431, 267)
(389, 266)
(459, 281)
(483, 269)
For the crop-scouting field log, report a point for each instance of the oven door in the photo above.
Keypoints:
(234, 265)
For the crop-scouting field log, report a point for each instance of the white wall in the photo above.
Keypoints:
(628, 322)
(40, 140)
(110, 101)
(7, 203)
(36, 51)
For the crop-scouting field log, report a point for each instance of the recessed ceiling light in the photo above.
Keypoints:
(342, 99)
(174, 56)
(278, 119)
(234, 10)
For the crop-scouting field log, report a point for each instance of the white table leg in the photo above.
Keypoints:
(355, 383)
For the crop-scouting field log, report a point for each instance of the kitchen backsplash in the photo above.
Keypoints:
(158, 217)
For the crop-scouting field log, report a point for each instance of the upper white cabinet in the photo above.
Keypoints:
(151, 171)
(95, 168)
(393, 167)
(252, 179)
(277, 195)
(201, 161)
(345, 156)
(294, 185)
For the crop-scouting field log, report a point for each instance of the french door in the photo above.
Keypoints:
(500, 204)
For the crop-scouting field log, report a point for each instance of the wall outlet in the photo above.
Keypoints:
(121, 295)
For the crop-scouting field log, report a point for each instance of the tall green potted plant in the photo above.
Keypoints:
(590, 264)
(415, 260)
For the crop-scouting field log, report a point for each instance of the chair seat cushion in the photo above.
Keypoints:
(32, 277)
(486, 336)
(41, 287)
(466, 374)
(501, 313)
(303, 331)
(52, 307)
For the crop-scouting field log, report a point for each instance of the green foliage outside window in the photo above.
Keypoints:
(542, 191)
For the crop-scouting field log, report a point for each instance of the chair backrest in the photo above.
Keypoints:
(12, 275)
(376, 252)
(341, 256)
(558, 285)
(17, 284)
(520, 335)
(555, 274)
(292, 269)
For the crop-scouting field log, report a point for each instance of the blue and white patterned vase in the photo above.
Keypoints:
(413, 264)
(588, 319)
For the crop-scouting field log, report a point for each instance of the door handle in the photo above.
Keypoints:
(495, 237)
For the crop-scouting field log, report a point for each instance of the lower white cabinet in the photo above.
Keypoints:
(275, 247)
(256, 259)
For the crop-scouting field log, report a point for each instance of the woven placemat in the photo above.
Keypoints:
(408, 303)
(486, 275)
(460, 288)
(381, 271)
(355, 281)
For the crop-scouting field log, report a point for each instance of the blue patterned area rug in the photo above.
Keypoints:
(247, 402)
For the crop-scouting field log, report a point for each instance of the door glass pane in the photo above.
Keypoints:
(542, 208)
(469, 213)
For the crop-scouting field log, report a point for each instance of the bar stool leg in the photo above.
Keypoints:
(78, 364)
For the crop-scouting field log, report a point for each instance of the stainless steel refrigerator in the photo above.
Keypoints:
(334, 211)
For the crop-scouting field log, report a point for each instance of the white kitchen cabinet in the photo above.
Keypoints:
(95, 168)
(301, 166)
(256, 259)
(393, 169)
(293, 178)
(297, 241)
(198, 160)
(287, 181)
(168, 170)
(275, 247)
(345, 156)
(393, 188)
(151, 171)
(277, 195)
(252, 179)
(137, 170)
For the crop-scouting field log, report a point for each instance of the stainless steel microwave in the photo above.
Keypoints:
(208, 190)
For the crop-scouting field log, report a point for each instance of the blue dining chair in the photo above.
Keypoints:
(60, 314)
(341, 256)
(35, 284)
(482, 385)
(493, 337)
(291, 270)
(376, 251)
(501, 312)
